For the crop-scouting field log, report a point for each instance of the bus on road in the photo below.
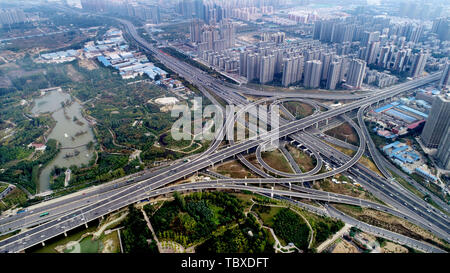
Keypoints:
(43, 214)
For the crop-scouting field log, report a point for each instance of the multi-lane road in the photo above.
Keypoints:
(96, 203)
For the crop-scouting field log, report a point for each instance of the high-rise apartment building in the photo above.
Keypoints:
(12, 16)
(313, 70)
(196, 30)
(292, 70)
(334, 72)
(418, 65)
(267, 69)
(356, 73)
(437, 123)
(445, 79)
(443, 154)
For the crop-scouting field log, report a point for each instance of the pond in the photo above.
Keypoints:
(72, 131)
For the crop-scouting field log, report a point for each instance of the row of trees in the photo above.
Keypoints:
(26, 173)
(196, 216)
(248, 237)
(291, 228)
(136, 233)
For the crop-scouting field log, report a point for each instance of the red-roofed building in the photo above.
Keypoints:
(37, 146)
(414, 125)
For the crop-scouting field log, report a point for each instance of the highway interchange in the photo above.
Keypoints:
(78, 209)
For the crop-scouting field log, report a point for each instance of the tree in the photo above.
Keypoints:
(179, 200)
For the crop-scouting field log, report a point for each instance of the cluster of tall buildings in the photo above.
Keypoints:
(380, 79)
(277, 37)
(12, 16)
(365, 30)
(436, 133)
(225, 60)
(310, 62)
(419, 10)
(216, 37)
(305, 18)
(441, 27)
(379, 42)
(214, 11)
(128, 8)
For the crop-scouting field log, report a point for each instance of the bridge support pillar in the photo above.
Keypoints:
(271, 194)
(317, 125)
(65, 234)
(86, 225)
(326, 121)
(43, 243)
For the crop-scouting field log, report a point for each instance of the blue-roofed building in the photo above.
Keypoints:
(407, 170)
(395, 144)
(422, 103)
(103, 60)
(414, 156)
(383, 108)
(400, 115)
(435, 92)
(399, 157)
(414, 111)
(425, 174)
(398, 162)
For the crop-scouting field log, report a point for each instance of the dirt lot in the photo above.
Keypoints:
(233, 169)
(347, 189)
(344, 132)
(344, 247)
(73, 74)
(48, 42)
(392, 223)
(393, 248)
(88, 64)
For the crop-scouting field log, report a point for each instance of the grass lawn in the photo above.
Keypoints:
(14, 197)
(112, 237)
(266, 215)
(298, 109)
(305, 162)
(276, 160)
(3, 187)
(369, 164)
(61, 240)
